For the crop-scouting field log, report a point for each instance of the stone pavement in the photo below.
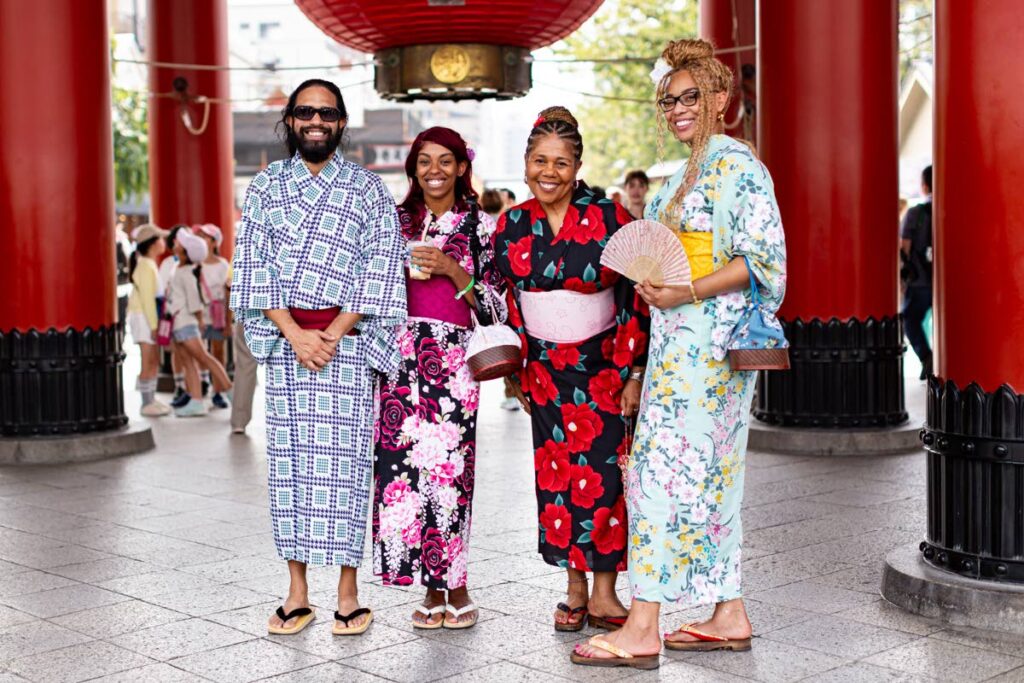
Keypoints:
(160, 567)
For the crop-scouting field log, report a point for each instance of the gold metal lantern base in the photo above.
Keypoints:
(466, 71)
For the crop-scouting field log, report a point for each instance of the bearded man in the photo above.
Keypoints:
(318, 285)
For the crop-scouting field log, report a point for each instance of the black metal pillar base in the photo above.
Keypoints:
(844, 374)
(975, 445)
(60, 383)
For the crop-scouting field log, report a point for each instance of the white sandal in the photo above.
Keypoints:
(429, 612)
(458, 612)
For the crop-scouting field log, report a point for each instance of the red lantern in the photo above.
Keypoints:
(449, 49)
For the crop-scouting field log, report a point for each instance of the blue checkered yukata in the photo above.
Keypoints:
(314, 242)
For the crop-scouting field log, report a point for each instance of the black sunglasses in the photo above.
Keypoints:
(687, 97)
(306, 113)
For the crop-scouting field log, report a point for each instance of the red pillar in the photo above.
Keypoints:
(59, 341)
(729, 24)
(191, 176)
(827, 119)
(974, 432)
(979, 205)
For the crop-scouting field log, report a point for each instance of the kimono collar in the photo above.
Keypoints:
(301, 173)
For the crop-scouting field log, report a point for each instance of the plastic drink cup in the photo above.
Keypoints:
(414, 272)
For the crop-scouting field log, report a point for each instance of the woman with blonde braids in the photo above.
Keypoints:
(684, 477)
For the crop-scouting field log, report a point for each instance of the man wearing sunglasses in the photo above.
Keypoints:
(319, 286)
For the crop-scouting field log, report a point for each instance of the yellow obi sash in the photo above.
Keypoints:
(700, 250)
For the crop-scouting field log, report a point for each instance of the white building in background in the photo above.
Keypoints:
(916, 124)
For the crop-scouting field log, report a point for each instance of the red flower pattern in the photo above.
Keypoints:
(519, 255)
(539, 383)
(557, 525)
(586, 486)
(606, 390)
(576, 284)
(563, 356)
(609, 533)
(577, 560)
(629, 342)
(582, 426)
(551, 462)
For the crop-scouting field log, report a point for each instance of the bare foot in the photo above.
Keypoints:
(346, 605)
(578, 596)
(633, 641)
(458, 598)
(293, 602)
(433, 599)
(607, 606)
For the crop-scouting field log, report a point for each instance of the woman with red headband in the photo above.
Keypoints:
(426, 429)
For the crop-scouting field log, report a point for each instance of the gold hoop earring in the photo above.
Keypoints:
(721, 117)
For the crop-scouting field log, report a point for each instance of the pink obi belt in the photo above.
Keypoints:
(565, 317)
(434, 299)
(319, 319)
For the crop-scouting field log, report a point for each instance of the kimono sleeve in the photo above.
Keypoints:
(254, 284)
(490, 283)
(633, 316)
(755, 227)
(379, 294)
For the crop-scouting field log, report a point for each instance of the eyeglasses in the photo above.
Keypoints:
(306, 113)
(687, 97)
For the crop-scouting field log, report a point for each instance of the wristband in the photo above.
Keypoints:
(464, 292)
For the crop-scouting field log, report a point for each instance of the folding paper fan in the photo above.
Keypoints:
(647, 250)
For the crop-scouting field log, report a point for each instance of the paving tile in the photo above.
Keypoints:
(77, 663)
(252, 619)
(783, 568)
(98, 571)
(151, 673)
(238, 569)
(689, 671)
(884, 614)
(506, 672)
(785, 512)
(156, 583)
(24, 640)
(45, 556)
(180, 638)
(863, 578)
(813, 597)
(418, 661)
(53, 603)
(184, 554)
(1005, 643)
(6, 677)
(772, 661)
(122, 617)
(766, 617)
(31, 582)
(330, 673)
(504, 638)
(10, 617)
(945, 661)
(865, 673)
(247, 661)
(1013, 676)
(841, 637)
(207, 601)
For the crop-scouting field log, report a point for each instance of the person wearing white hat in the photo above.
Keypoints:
(187, 306)
(143, 311)
(216, 274)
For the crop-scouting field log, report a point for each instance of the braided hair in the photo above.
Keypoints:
(557, 121)
(711, 76)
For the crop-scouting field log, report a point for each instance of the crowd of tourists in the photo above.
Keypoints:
(361, 311)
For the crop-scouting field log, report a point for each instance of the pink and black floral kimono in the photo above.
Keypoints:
(426, 441)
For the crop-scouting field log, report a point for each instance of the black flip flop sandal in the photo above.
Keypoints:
(572, 612)
(304, 617)
(346, 618)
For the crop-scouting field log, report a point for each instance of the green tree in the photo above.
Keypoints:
(915, 34)
(620, 125)
(131, 142)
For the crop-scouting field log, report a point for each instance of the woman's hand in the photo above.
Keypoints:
(433, 261)
(313, 348)
(630, 398)
(665, 296)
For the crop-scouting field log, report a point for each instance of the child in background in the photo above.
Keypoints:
(143, 311)
(216, 277)
(187, 306)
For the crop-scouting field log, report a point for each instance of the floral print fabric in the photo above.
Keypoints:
(575, 389)
(426, 433)
(684, 479)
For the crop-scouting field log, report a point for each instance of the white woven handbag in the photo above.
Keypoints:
(493, 351)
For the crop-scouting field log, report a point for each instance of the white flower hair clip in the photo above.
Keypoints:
(660, 70)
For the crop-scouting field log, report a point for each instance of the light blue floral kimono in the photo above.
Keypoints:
(314, 242)
(684, 480)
